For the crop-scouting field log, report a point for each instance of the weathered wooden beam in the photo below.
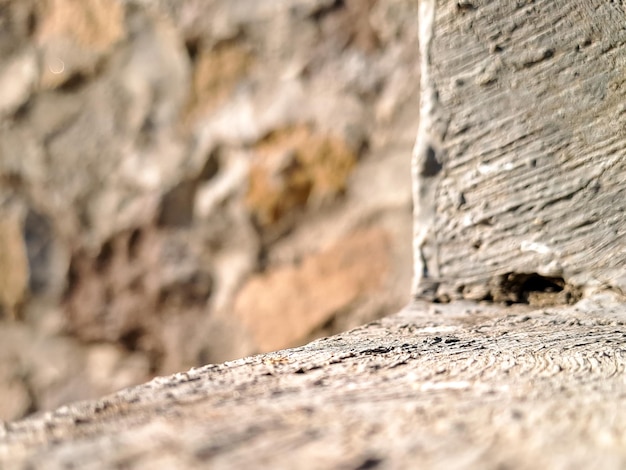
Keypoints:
(520, 161)
(519, 169)
(445, 386)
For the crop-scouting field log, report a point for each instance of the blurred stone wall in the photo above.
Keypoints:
(190, 181)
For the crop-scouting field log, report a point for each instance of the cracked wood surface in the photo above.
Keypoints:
(519, 170)
(461, 385)
(526, 115)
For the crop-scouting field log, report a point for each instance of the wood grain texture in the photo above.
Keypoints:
(519, 195)
(529, 125)
(461, 385)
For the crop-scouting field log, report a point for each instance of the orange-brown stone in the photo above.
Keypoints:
(282, 306)
(294, 166)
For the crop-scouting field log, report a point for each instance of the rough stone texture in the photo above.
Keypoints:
(462, 385)
(339, 276)
(536, 379)
(160, 161)
(522, 148)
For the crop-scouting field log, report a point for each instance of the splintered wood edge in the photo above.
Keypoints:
(501, 384)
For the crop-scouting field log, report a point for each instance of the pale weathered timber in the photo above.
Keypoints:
(462, 385)
(518, 197)
(521, 159)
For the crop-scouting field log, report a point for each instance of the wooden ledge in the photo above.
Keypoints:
(461, 385)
